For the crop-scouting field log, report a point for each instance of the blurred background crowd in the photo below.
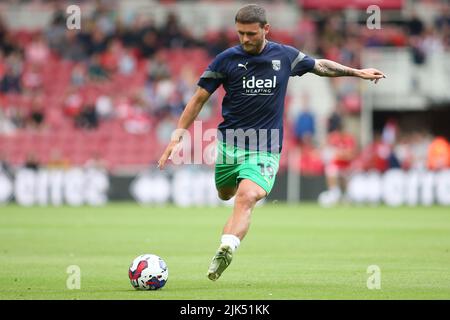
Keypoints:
(110, 93)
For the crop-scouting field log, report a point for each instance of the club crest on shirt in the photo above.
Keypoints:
(276, 65)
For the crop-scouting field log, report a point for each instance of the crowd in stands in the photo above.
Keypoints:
(110, 71)
(392, 148)
(329, 35)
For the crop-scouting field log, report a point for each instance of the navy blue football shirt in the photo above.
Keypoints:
(255, 87)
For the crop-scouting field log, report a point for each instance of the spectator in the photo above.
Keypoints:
(165, 128)
(57, 161)
(442, 21)
(127, 62)
(219, 45)
(56, 32)
(6, 125)
(165, 91)
(104, 17)
(157, 69)
(16, 116)
(341, 149)
(78, 75)
(390, 130)
(419, 149)
(32, 79)
(414, 25)
(402, 150)
(97, 43)
(72, 48)
(37, 114)
(305, 124)
(187, 84)
(104, 107)
(136, 120)
(172, 33)
(393, 161)
(95, 69)
(417, 50)
(88, 118)
(311, 163)
(5, 167)
(334, 121)
(374, 157)
(96, 162)
(438, 154)
(137, 123)
(131, 36)
(73, 103)
(110, 58)
(432, 42)
(37, 52)
(123, 107)
(11, 81)
(32, 162)
(149, 45)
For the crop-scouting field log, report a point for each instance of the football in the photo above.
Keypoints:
(148, 272)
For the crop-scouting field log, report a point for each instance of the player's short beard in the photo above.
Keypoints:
(255, 48)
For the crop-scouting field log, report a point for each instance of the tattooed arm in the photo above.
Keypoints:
(328, 68)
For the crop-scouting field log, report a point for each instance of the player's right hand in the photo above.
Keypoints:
(371, 74)
(167, 154)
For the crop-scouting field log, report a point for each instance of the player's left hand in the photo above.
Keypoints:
(167, 154)
(371, 74)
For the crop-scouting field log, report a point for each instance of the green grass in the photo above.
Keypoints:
(291, 252)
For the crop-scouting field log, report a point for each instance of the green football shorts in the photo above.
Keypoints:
(234, 164)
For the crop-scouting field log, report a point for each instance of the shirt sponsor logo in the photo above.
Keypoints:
(253, 86)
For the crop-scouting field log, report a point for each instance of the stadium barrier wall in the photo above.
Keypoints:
(92, 187)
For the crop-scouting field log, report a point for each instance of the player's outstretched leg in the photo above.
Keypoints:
(237, 226)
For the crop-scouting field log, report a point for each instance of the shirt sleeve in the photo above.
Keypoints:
(300, 62)
(213, 76)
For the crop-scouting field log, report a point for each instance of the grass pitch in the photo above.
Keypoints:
(291, 252)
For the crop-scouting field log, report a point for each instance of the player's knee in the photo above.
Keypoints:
(249, 196)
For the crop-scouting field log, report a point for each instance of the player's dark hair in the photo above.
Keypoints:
(251, 13)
